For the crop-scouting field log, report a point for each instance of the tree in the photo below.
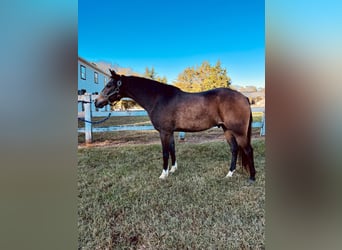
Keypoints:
(151, 73)
(188, 80)
(203, 78)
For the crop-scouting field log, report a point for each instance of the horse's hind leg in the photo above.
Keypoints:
(173, 154)
(234, 148)
(247, 156)
(248, 159)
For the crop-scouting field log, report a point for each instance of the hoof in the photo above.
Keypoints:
(173, 168)
(230, 173)
(164, 174)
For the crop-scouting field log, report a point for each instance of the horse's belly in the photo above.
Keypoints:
(194, 124)
(195, 114)
(191, 129)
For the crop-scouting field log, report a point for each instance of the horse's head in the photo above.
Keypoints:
(111, 92)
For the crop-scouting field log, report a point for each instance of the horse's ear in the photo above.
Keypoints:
(112, 72)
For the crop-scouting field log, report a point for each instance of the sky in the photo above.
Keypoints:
(173, 35)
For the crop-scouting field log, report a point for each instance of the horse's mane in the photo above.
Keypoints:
(150, 83)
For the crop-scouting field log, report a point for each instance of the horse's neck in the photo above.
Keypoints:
(139, 91)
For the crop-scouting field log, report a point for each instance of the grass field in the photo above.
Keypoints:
(123, 204)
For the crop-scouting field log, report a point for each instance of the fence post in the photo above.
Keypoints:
(181, 136)
(87, 116)
(263, 126)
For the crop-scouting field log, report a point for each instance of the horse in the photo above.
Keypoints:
(170, 109)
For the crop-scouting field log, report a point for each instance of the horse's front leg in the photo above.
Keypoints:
(234, 152)
(165, 141)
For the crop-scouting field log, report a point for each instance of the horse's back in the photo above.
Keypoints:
(226, 94)
(229, 97)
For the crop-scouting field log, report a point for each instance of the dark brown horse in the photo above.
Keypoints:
(170, 109)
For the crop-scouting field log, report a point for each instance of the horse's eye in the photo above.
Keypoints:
(108, 85)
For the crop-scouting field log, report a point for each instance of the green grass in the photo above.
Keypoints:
(123, 204)
(257, 116)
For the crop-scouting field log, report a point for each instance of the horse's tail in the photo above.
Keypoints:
(249, 132)
(244, 157)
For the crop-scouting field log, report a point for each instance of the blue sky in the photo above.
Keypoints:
(173, 35)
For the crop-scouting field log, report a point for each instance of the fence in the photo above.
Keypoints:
(87, 113)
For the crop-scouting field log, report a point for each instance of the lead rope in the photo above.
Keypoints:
(95, 122)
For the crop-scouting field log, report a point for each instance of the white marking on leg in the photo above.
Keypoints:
(230, 173)
(164, 174)
(173, 168)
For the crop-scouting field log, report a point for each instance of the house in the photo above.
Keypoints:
(91, 79)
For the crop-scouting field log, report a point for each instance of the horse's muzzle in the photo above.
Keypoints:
(100, 102)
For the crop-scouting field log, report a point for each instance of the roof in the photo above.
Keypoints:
(93, 65)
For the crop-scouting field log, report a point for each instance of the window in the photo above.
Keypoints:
(96, 77)
(83, 72)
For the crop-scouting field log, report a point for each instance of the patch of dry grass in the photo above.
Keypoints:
(123, 204)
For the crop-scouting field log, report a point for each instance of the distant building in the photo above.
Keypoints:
(91, 79)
